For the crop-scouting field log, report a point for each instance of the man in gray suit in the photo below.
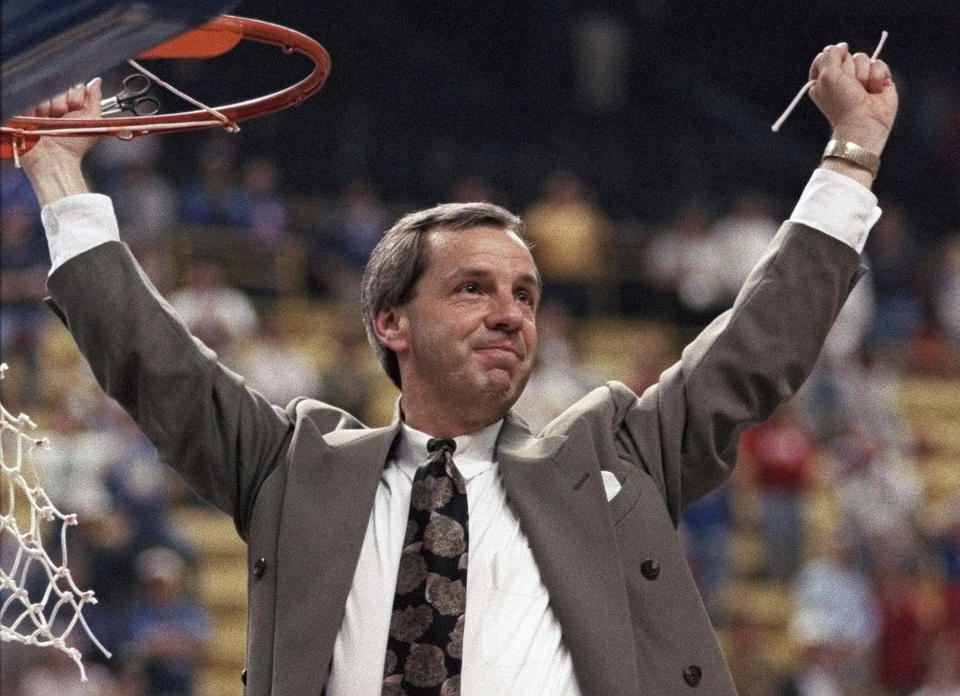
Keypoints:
(577, 583)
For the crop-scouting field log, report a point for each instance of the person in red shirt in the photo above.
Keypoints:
(779, 456)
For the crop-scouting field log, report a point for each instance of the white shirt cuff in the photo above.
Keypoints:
(77, 223)
(837, 205)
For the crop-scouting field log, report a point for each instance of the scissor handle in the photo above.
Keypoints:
(144, 106)
(140, 106)
(131, 98)
(135, 85)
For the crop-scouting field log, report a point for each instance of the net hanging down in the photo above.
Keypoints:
(48, 619)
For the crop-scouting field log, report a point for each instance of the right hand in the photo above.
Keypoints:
(82, 101)
(53, 164)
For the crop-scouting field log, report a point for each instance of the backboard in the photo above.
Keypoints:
(49, 45)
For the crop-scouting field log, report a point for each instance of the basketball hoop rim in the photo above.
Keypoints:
(290, 40)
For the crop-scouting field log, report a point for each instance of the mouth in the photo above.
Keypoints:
(500, 352)
(502, 347)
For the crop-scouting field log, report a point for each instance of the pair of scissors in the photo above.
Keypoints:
(132, 98)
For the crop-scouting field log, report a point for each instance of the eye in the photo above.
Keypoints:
(470, 288)
(526, 297)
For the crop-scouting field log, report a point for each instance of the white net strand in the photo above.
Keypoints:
(22, 620)
(803, 90)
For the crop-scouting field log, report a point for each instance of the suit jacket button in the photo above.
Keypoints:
(243, 676)
(259, 567)
(692, 675)
(650, 569)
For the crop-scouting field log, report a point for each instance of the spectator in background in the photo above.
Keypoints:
(218, 314)
(215, 197)
(276, 366)
(168, 631)
(56, 674)
(903, 642)
(946, 291)
(655, 350)
(943, 671)
(339, 248)
(146, 203)
(896, 265)
(846, 344)
(602, 50)
(877, 486)
(570, 236)
(946, 552)
(140, 486)
(860, 393)
(474, 188)
(101, 467)
(348, 380)
(747, 649)
(835, 616)
(742, 234)
(357, 223)
(557, 379)
(817, 672)
(779, 456)
(23, 316)
(707, 529)
(262, 207)
(685, 265)
(146, 212)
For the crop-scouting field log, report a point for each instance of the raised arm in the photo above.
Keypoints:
(224, 438)
(758, 354)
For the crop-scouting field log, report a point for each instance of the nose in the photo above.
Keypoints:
(505, 313)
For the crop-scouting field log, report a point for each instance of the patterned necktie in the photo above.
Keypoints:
(425, 645)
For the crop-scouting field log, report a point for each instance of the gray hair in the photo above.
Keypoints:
(399, 259)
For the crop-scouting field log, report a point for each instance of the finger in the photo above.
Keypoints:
(75, 97)
(848, 66)
(831, 58)
(816, 66)
(42, 109)
(58, 105)
(93, 96)
(879, 76)
(861, 65)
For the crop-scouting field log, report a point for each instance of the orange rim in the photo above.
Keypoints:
(214, 38)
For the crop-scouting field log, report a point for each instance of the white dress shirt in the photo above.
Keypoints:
(513, 644)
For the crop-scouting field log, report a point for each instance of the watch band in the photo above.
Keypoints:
(862, 157)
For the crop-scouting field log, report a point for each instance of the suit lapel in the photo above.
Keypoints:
(556, 497)
(332, 483)
(331, 487)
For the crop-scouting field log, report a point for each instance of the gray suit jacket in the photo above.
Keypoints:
(299, 481)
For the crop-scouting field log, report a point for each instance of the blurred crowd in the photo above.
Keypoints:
(827, 512)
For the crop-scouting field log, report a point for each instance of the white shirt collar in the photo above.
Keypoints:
(474, 455)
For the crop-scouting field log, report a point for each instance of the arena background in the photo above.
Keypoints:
(422, 92)
(658, 108)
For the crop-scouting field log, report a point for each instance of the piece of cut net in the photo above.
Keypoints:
(49, 618)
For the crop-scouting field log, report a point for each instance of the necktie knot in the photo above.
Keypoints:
(435, 444)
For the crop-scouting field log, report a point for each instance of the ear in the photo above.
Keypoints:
(390, 326)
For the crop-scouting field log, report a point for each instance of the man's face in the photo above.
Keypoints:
(467, 338)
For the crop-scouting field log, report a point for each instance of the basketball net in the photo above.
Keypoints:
(46, 620)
